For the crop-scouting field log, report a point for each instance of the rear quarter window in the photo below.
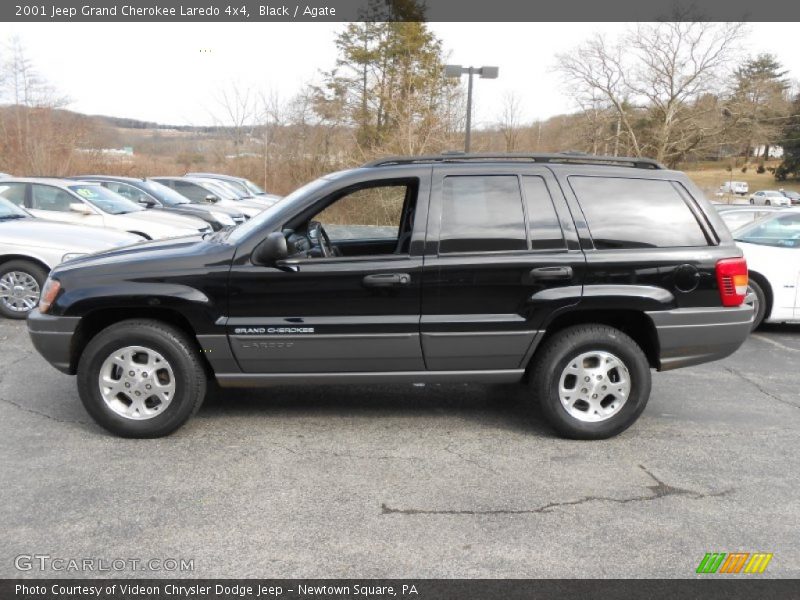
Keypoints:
(636, 213)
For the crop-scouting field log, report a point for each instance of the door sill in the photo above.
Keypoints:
(270, 379)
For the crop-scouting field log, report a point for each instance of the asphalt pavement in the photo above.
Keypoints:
(435, 481)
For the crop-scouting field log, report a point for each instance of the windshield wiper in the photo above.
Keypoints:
(13, 216)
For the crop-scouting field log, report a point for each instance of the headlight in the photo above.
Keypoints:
(71, 255)
(223, 218)
(49, 292)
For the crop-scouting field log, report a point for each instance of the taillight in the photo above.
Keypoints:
(732, 280)
(49, 293)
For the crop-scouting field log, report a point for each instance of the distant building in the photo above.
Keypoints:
(774, 151)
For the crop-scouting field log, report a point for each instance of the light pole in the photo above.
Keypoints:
(458, 71)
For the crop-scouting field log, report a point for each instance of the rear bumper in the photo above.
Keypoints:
(690, 336)
(52, 338)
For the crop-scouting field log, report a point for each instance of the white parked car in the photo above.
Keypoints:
(770, 198)
(735, 187)
(30, 247)
(90, 203)
(771, 246)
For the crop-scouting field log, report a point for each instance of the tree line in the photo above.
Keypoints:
(674, 91)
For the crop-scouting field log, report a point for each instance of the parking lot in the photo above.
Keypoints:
(405, 481)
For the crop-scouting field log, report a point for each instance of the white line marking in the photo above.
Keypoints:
(774, 343)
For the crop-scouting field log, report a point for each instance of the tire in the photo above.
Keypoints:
(767, 203)
(133, 342)
(21, 284)
(752, 201)
(759, 303)
(555, 364)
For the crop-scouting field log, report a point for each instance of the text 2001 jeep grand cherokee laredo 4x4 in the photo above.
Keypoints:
(576, 274)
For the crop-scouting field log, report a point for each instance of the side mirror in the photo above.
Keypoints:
(271, 250)
(147, 202)
(80, 207)
(211, 199)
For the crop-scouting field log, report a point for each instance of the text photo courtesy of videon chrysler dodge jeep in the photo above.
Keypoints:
(421, 299)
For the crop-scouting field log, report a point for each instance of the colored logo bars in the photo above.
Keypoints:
(734, 562)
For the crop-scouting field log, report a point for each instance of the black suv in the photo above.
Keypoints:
(574, 274)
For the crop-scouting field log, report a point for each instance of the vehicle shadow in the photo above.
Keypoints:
(792, 328)
(510, 407)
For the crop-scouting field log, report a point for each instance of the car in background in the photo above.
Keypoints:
(153, 195)
(30, 247)
(793, 196)
(92, 204)
(769, 198)
(736, 216)
(771, 246)
(735, 187)
(206, 192)
(247, 186)
(235, 192)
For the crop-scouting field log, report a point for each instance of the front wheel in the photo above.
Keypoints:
(592, 381)
(141, 378)
(21, 283)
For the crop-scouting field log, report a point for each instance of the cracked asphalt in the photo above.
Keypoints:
(433, 481)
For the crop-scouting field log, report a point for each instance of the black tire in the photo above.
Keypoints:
(554, 357)
(24, 266)
(176, 348)
(767, 203)
(760, 303)
(752, 201)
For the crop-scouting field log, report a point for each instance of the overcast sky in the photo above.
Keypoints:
(157, 71)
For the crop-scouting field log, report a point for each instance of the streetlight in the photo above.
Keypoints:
(458, 71)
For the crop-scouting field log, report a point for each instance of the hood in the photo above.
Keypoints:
(63, 236)
(166, 219)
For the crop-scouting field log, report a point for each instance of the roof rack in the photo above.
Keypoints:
(561, 157)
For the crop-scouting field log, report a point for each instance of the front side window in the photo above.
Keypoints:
(482, 213)
(636, 213)
(194, 192)
(366, 214)
(127, 191)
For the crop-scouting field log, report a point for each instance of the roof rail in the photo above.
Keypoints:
(561, 157)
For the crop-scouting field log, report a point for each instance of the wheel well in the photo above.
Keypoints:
(96, 321)
(762, 281)
(9, 257)
(633, 323)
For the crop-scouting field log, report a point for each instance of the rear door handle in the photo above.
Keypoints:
(551, 273)
(383, 280)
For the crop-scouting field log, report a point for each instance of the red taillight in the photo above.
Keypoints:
(732, 280)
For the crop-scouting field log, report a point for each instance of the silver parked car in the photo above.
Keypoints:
(89, 203)
(30, 247)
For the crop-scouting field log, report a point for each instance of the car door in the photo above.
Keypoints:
(358, 312)
(54, 203)
(501, 248)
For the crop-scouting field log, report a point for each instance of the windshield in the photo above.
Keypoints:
(166, 195)
(9, 210)
(105, 199)
(218, 190)
(782, 230)
(257, 222)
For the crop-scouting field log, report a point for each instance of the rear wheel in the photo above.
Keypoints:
(21, 284)
(592, 381)
(752, 201)
(758, 300)
(141, 378)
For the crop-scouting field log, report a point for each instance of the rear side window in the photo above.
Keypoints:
(636, 213)
(545, 229)
(482, 214)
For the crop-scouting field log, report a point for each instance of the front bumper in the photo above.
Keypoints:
(52, 338)
(691, 336)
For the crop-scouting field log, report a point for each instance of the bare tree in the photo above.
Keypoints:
(238, 106)
(510, 121)
(653, 78)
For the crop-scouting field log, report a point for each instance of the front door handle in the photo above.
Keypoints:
(551, 273)
(384, 280)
